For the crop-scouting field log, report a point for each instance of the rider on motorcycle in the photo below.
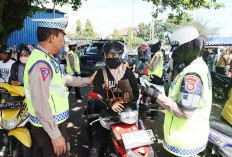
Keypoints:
(141, 58)
(188, 105)
(17, 69)
(106, 83)
(5, 63)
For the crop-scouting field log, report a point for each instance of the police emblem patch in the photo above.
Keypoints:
(44, 73)
(190, 82)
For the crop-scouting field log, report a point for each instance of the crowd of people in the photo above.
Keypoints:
(187, 105)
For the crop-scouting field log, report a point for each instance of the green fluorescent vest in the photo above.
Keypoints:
(158, 71)
(76, 63)
(187, 137)
(227, 110)
(58, 96)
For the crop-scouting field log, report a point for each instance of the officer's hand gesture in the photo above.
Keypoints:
(59, 145)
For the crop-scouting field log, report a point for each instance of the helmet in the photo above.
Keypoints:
(5, 48)
(30, 47)
(22, 48)
(186, 48)
(154, 45)
(115, 47)
(143, 47)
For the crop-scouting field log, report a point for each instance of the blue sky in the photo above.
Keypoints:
(107, 15)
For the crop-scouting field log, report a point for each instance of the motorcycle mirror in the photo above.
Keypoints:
(94, 96)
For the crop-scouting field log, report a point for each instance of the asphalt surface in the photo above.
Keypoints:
(78, 119)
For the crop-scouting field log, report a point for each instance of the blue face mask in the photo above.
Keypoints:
(112, 63)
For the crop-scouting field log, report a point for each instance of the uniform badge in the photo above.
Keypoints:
(44, 73)
(190, 82)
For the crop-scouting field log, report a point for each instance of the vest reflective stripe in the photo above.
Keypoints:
(158, 71)
(187, 137)
(58, 95)
(60, 117)
(76, 63)
(183, 152)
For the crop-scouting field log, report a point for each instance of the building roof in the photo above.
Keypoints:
(124, 31)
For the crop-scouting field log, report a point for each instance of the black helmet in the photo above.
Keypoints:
(5, 48)
(154, 45)
(22, 48)
(186, 48)
(113, 46)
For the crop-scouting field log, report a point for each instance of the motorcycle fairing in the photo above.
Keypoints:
(219, 139)
(22, 134)
(118, 129)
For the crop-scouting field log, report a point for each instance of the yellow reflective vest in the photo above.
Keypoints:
(227, 110)
(76, 63)
(58, 95)
(158, 71)
(188, 137)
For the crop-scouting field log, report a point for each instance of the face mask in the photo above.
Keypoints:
(112, 63)
(23, 60)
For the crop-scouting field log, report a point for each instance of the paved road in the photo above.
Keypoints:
(77, 119)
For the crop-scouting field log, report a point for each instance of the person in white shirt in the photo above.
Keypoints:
(5, 63)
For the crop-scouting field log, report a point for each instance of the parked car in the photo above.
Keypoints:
(93, 59)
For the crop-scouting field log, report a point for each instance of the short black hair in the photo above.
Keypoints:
(43, 33)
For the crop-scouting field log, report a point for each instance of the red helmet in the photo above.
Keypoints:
(143, 48)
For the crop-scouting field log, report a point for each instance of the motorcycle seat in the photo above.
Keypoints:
(220, 126)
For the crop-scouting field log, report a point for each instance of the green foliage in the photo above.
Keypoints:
(129, 37)
(78, 28)
(107, 38)
(13, 13)
(179, 7)
(162, 29)
(144, 31)
(88, 31)
(136, 42)
(115, 35)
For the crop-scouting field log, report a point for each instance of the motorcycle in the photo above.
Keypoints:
(15, 139)
(128, 134)
(220, 86)
(220, 139)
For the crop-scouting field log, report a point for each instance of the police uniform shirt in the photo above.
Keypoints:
(40, 95)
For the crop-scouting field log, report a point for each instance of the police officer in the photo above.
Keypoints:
(73, 66)
(45, 90)
(188, 105)
(155, 67)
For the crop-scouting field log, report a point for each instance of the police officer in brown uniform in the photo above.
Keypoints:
(46, 92)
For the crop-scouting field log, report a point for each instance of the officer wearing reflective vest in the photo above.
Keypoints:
(155, 68)
(46, 93)
(188, 105)
(73, 66)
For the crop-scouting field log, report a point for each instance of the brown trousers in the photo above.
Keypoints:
(42, 146)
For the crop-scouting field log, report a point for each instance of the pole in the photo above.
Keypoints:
(132, 34)
(53, 13)
(152, 23)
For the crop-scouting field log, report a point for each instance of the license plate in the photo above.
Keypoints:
(138, 138)
(11, 105)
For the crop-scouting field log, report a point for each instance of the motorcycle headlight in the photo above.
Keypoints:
(9, 125)
(100, 64)
(129, 117)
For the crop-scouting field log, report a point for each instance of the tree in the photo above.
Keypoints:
(179, 7)
(88, 29)
(129, 37)
(13, 13)
(136, 42)
(144, 31)
(78, 28)
(115, 35)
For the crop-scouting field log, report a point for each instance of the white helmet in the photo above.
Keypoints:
(182, 36)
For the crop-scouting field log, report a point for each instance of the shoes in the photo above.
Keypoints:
(79, 99)
(150, 116)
